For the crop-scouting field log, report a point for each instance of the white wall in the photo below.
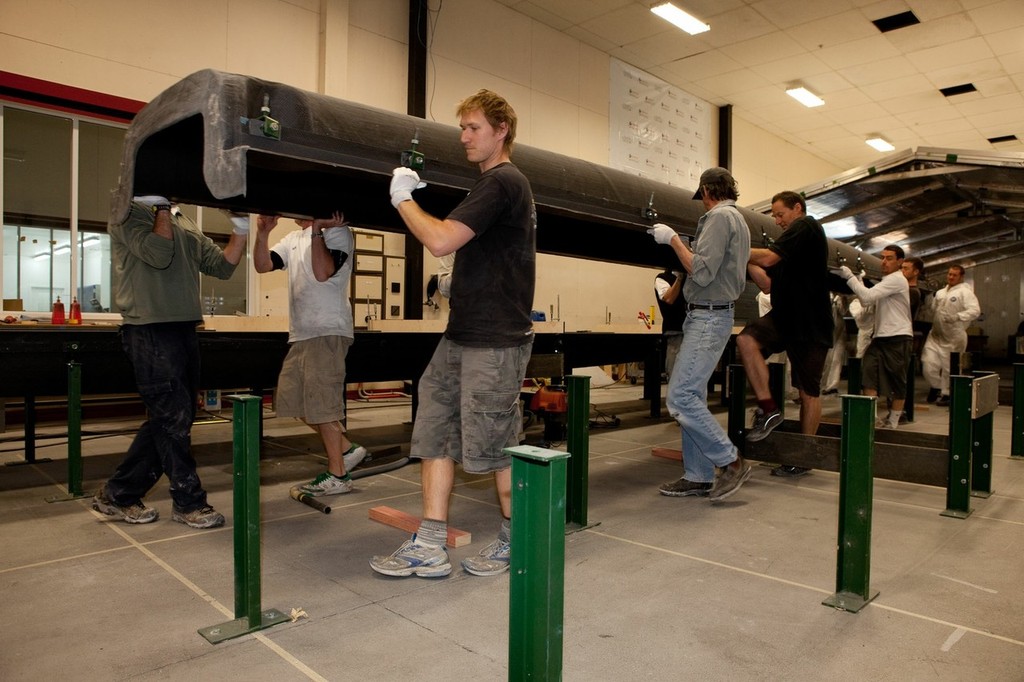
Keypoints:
(356, 49)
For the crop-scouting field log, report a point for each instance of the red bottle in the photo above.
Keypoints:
(58, 312)
(76, 311)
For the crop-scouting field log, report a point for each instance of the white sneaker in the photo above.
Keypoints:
(353, 456)
(413, 558)
(327, 484)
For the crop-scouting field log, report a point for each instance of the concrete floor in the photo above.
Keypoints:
(661, 588)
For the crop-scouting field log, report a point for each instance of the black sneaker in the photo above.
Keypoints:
(684, 488)
(943, 401)
(787, 471)
(764, 424)
(933, 395)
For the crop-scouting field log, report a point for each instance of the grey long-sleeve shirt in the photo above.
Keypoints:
(720, 254)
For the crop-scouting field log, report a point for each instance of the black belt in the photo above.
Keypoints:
(709, 306)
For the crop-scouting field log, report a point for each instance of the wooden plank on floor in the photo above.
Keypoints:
(667, 453)
(409, 523)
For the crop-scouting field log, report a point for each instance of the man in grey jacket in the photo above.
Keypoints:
(716, 269)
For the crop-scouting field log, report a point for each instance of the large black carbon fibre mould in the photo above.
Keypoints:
(209, 140)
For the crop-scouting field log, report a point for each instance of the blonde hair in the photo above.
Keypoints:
(496, 110)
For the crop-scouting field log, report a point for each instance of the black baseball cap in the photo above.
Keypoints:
(712, 175)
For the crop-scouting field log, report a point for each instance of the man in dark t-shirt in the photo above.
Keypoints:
(794, 270)
(469, 394)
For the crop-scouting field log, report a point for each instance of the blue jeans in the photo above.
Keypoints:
(165, 358)
(705, 443)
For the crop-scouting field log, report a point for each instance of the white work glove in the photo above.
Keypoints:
(662, 233)
(843, 271)
(403, 182)
(151, 200)
(948, 316)
(239, 222)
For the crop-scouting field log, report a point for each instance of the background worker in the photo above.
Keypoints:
(795, 270)
(668, 289)
(469, 393)
(158, 254)
(954, 309)
(311, 387)
(888, 355)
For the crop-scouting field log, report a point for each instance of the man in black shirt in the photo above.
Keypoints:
(668, 288)
(794, 270)
(469, 394)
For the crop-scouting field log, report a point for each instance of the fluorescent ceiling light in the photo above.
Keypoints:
(90, 241)
(41, 256)
(805, 97)
(62, 249)
(679, 18)
(880, 143)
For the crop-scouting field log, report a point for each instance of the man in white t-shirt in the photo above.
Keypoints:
(311, 387)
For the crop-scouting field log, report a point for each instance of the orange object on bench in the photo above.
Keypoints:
(667, 453)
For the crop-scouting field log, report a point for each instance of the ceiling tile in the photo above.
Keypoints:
(832, 31)
(859, 113)
(972, 72)
(627, 24)
(735, 81)
(736, 26)
(542, 15)
(783, 12)
(998, 16)
(763, 49)
(857, 52)
(667, 47)
(878, 71)
(577, 12)
(933, 34)
(985, 105)
(1003, 42)
(931, 130)
(907, 85)
(993, 87)
(712, 63)
(791, 69)
(915, 102)
(927, 10)
(931, 114)
(971, 50)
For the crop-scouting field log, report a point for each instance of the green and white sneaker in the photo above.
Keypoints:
(492, 559)
(327, 484)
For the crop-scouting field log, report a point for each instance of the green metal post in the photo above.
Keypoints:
(853, 376)
(958, 487)
(981, 456)
(577, 441)
(249, 614)
(537, 564)
(74, 435)
(777, 384)
(1017, 432)
(737, 423)
(856, 484)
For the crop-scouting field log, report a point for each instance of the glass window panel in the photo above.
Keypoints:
(37, 169)
(94, 265)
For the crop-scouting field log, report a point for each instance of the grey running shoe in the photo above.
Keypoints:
(353, 456)
(204, 517)
(327, 484)
(684, 488)
(412, 558)
(764, 424)
(131, 513)
(729, 480)
(492, 559)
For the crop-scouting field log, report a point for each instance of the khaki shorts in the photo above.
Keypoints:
(469, 408)
(311, 386)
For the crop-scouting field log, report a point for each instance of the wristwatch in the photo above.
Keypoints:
(161, 207)
(317, 235)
